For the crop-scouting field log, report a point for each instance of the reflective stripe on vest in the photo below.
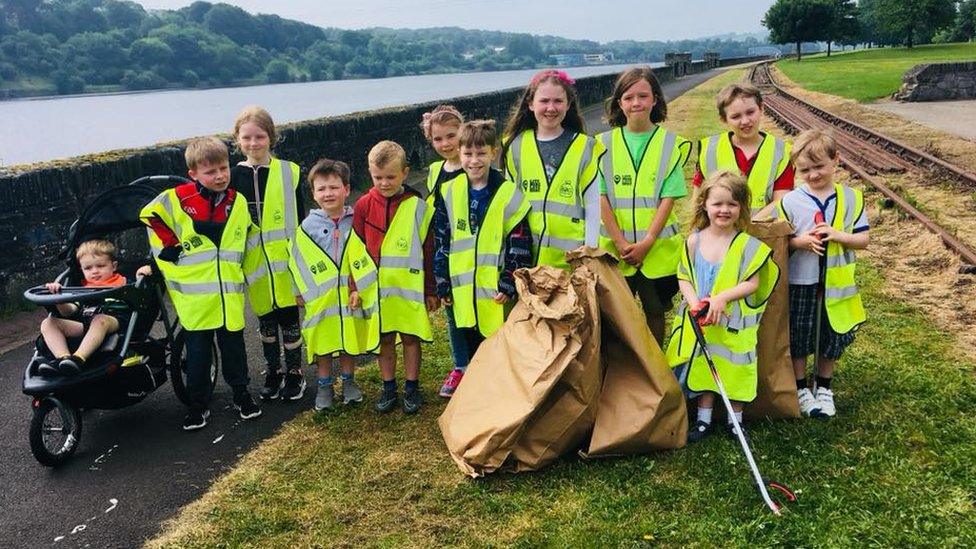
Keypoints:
(476, 259)
(329, 324)
(772, 159)
(206, 284)
(845, 311)
(557, 216)
(634, 192)
(401, 271)
(266, 261)
(732, 342)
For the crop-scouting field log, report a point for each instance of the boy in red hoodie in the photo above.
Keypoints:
(394, 222)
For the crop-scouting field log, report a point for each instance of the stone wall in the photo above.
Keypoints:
(41, 201)
(939, 82)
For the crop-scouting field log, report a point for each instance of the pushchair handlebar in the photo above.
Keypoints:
(175, 179)
(39, 295)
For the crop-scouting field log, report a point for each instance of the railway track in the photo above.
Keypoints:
(864, 152)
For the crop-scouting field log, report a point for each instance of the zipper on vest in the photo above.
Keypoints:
(545, 199)
(220, 281)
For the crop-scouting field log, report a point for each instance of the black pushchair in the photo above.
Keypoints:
(129, 365)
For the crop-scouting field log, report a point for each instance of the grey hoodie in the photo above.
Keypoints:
(329, 235)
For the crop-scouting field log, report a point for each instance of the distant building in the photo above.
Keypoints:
(577, 59)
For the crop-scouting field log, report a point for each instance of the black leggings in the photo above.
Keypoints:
(285, 319)
(199, 357)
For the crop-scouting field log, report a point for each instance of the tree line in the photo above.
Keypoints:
(870, 22)
(72, 46)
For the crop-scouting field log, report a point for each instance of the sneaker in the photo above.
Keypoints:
(324, 397)
(825, 403)
(412, 401)
(294, 386)
(451, 383)
(47, 369)
(731, 432)
(699, 431)
(246, 406)
(387, 401)
(351, 393)
(808, 403)
(195, 419)
(272, 384)
(71, 365)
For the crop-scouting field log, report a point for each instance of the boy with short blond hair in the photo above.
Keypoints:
(394, 223)
(830, 222)
(198, 233)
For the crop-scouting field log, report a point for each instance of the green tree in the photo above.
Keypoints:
(525, 45)
(150, 52)
(798, 21)
(914, 21)
(123, 14)
(67, 82)
(843, 27)
(277, 72)
(232, 22)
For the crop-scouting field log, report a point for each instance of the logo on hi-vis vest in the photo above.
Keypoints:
(462, 225)
(616, 179)
(277, 216)
(628, 180)
(535, 186)
(319, 267)
(238, 234)
(356, 264)
(566, 189)
(193, 242)
(402, 244)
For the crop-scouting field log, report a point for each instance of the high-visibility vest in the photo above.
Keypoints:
(732, 342)
(845, 311)
(403, 308)
(432, 174)
(269, 283)
(773, 158)
(206, 283)
(476, 259)
(634, 191)
(329, 325)
(557, 217)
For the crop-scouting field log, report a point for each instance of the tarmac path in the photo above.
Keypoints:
(135, 467)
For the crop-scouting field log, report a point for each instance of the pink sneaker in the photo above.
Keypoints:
(451, 383)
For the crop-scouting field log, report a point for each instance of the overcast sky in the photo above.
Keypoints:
(600, 20)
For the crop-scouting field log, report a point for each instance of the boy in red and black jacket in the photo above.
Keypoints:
(198, 234)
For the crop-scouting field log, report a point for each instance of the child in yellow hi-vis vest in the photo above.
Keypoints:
(735, 274)
(337, 284)
(830, 223)
(394, 221)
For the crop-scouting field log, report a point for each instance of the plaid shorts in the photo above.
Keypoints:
(803, 318)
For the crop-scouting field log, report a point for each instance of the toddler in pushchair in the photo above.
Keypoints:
(108, 340)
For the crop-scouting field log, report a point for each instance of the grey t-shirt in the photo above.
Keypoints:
(801, 207)
(554, 150)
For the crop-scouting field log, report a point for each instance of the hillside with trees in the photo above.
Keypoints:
(77, 46)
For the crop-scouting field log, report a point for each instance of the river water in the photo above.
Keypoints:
(37, 130)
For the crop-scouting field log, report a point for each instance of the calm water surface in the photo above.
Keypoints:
(46, 129)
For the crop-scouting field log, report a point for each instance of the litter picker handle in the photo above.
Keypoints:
(819, 218)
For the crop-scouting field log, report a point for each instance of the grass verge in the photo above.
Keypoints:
(894, 468)
(869, 74)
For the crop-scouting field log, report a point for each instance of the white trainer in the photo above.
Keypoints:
(808, 402)
(825, 403)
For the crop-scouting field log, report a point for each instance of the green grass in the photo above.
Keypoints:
(894, 468)
(868, 75)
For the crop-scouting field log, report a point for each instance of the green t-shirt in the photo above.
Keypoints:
(673, 185)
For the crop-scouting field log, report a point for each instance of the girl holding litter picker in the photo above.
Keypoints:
(734, 274)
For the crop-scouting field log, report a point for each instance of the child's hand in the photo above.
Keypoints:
(447, 301)
(53, 287)
(828, 233)
(623, 248)
(433, 303)
(638, 251)
(716, 308)
(500, 298)
(809, 241)
(300, 301)
(354, 301)
(145, 270)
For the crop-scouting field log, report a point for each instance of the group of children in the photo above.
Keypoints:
(348, 281)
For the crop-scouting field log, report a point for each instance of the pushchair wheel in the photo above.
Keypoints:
(177, 367)
(55, 430)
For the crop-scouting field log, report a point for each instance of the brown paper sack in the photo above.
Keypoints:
(776, 392)
(641, 407)
(529, 393)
